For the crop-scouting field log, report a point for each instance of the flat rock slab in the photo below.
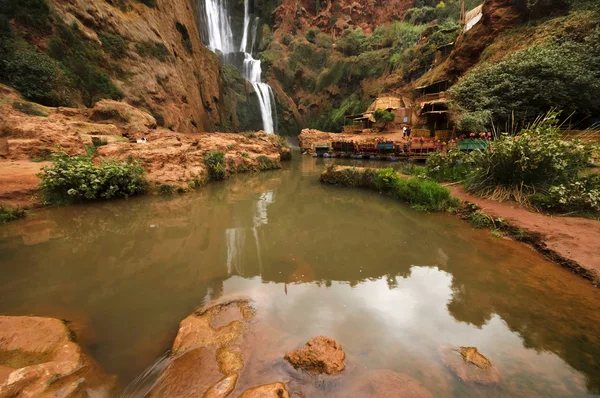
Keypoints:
(38, 358)
(206, 355)
(320, 355)
(469, 365)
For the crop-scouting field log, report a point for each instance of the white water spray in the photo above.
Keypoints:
(220, 38)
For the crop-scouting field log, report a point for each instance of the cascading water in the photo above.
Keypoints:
(218, 34)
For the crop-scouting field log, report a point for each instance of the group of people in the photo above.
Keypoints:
(407, 130)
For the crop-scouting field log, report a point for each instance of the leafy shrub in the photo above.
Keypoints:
(334, 119)
(420, 15)
(324, 40)
(153, 49)
(166, 189)
(74, 179)
(10, 214)
(555, 74)
(350, 42)
(215, 161)
(82, 58)
(452, 165)
(33, 14)
(422, 194)
(532, 162)
(311, 35)
(266, 163)
(581, 195)
(34, 74)
(29, 108)
(114, 44)
(480, 220)
(384, 116)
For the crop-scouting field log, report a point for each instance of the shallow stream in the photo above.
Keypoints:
(394, 286)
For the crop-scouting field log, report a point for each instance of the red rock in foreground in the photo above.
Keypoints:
(39, 359)
(470, 366)
(320, 355)
(274, 390)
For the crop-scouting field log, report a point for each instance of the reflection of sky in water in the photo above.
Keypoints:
(404, 328)
(533, 319)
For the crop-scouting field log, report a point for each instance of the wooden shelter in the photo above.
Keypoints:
(366, 120)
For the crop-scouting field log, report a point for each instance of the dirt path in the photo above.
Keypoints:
(573, 242)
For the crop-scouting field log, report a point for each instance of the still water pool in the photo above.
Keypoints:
(392, 285)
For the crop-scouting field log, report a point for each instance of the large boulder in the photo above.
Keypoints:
(38, 358)
(206, 357)
(320, 355)
(273, 390)
(469, 365)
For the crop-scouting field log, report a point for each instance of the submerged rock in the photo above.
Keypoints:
(206, 349)
(469, 365)
(223, 388)
(320, 355)
(273, 390)
(388, 384)
(38, 358)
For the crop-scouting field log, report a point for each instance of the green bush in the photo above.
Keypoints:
(351, 41)
(75, 179)
(514, 167)
(114, 44)
(420, 15)
(324, 40)
(215, 161)
(29, 108)
(480, 220)
(384, 116)
(10, 214)
(166, 189)
(311, 35)
(421, 194)
(34, 74)
(33, 14)
(334, 119)
(452, 165)
(555, 74)
(153, 49)
(82, 59)
(579, 196)
(266, 163)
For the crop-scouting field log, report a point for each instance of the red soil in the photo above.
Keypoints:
(571, 241)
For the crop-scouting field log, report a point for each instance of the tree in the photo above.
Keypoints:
(385, 117)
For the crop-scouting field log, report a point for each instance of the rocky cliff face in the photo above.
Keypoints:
(182, 90)
(335, 16)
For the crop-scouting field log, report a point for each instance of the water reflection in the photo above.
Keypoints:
(391, 284)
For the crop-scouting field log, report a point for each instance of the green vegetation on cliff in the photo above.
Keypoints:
(50, 62)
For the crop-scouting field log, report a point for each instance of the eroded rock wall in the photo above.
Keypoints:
(183, 90)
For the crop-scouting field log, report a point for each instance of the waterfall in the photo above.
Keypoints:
(218, 35)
